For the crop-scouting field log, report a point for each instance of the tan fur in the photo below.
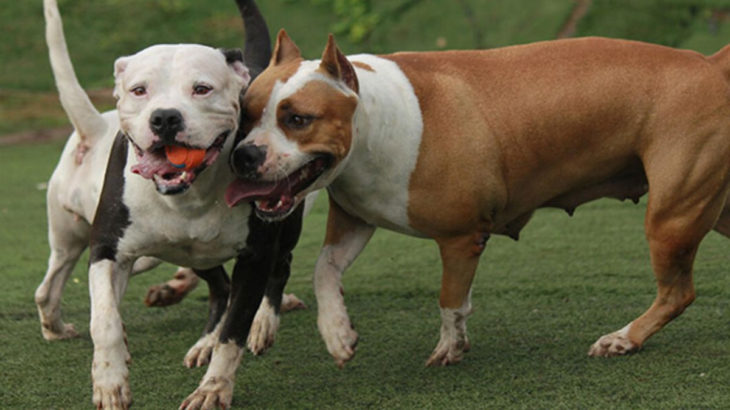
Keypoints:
(507, 131)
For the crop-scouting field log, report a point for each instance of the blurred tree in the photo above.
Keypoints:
(668, 22)
(357, 18)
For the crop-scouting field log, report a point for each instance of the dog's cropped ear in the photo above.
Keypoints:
(234, 58)
(285, 49)
(336, 65)
(119, 66)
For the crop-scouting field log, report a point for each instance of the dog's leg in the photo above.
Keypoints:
(267, 246)
(107, 280)
(345, 239)
(172, 291)
(685, 199)
(723, 223)
(219, 288)
(68, 239)
(266, 322)
(216, 387)
(460, 257)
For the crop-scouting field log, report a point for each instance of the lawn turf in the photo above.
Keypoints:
(538, 305)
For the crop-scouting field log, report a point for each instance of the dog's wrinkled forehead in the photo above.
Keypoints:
(174, 64)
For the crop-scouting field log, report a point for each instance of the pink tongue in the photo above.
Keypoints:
(148, 165)
(240, 190)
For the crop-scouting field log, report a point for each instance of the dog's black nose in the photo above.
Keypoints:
(246, 159)
(166, 123)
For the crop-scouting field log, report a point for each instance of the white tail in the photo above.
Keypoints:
(85, 118)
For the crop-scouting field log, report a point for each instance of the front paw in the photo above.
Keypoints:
(448, 351)
(212, 393)
(199, 354)
(613, 344)
(111, 387)
(59, 332)
(290, 302)
(339, 336)
(263, 329)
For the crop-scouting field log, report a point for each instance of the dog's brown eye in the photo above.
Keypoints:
(139, 91)
(202, 90)
(298, 121)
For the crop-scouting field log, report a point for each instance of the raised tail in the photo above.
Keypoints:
(257, 51)
(85, 118)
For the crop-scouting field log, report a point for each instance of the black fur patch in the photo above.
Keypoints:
(112, 215)
(263, 266)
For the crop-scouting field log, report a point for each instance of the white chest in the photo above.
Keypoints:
(374, 183)
(183, 230)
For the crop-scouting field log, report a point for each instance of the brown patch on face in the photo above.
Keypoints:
(363, 66)
(259, 92)
(324, 123)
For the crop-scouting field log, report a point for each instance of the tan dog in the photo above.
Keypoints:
(459, 145)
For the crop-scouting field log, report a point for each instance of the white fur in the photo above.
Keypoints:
(216, 388)
(332, 319)
(264, 327)
(453, 341)
(199, 354)
(109, 369)
(388, 127)
(169, 73)
(613, 344)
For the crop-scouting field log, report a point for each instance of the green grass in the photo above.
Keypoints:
(539, 304)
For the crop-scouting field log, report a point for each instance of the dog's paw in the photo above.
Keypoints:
(613, 344)
(339, 336)
(172, 291)
(290, 302)
(263, 329)
(448, 351)
(212, 393)
(111, 388)
(199, 354)
(60, 332)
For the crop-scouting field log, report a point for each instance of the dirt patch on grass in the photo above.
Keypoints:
(37, 116)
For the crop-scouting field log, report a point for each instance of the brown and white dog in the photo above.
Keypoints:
(459, 145)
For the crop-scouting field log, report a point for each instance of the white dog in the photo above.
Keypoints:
(144, 208)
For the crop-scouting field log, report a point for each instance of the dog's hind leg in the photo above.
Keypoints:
(460, 257)
(723, 223)
(172, 291)
(219, 288)
(67, 237)
(686, 196)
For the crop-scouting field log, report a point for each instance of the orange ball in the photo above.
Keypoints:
(182, 157)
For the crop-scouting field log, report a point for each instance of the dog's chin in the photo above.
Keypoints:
(152, 164)
(275, 200)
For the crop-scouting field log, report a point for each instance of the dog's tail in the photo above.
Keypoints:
(257, 51)
(722, 60)
(85, 118)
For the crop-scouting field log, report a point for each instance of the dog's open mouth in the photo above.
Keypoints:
(276, 199)
(168, 178)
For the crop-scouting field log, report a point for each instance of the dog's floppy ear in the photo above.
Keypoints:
(336, 64)
(285, 49)
(234, 58)
(120, 65)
